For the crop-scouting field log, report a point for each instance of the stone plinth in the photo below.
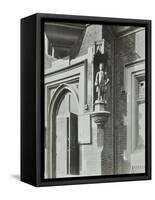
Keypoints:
(100, 105)
(100, 117)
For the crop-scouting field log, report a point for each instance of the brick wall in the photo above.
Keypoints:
(107, 154)
(127, 49)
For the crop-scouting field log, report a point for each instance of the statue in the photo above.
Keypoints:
(101, 82)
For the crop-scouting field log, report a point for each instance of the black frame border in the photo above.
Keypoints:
(39, 148)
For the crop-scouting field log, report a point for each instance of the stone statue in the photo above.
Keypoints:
(101, 82)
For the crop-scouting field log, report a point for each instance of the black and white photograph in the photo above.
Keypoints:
(94, 99)
(76, 106)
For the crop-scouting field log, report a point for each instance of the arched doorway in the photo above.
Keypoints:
(65, 150)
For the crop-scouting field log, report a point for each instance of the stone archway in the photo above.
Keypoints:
(63, 129)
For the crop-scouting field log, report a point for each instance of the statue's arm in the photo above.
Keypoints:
(96, 80)
(107, 79)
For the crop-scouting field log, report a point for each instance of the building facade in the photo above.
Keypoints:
(72, 55)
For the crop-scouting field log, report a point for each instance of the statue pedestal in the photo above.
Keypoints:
(100, 105)
(100, 117)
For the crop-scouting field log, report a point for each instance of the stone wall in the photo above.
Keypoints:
(96, 160)
(93, 33)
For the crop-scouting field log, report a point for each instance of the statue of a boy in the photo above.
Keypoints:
(101, 82)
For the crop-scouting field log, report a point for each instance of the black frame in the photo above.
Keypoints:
(32, 99)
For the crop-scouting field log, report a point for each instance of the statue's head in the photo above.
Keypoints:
(101, 66)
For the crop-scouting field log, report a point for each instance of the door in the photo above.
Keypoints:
(67, 155)
(73, 137)
(61, 146)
